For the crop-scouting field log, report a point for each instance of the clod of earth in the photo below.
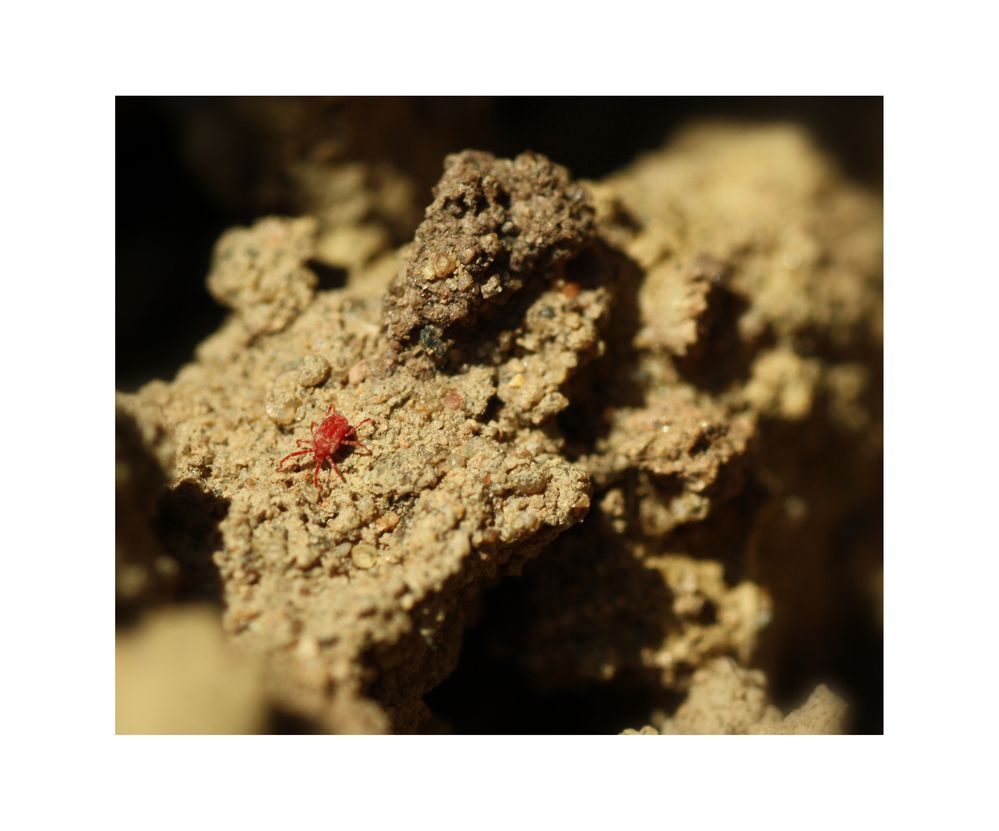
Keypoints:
(653, 363)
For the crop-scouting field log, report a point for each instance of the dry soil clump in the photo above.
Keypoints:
(657, 359)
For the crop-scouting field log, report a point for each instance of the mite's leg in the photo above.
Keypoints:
(360, 424)
(367, 450)
(338, 473)
(356, 442)
(291, 456)
(315, 475)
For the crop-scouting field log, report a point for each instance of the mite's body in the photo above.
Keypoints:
(327, 438)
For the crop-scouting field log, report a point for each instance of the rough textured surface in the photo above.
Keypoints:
(727, 699)
(261, 272)
(494, 225)
(451, 498)
(731, 428)
(656, 397)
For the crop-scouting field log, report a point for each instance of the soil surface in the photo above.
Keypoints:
(625, 447)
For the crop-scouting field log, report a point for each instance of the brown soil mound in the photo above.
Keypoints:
(629, 430)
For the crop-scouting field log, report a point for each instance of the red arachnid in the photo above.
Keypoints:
(326, 440)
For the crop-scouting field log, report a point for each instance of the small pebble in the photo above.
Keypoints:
(453, 400)
(387, 522)
(460, 545)
(648, 730)
(281, 409)
(364, 556)
(571, 290)
(308, 648)
(307, 556)
(314, 371)
(358, 372)
(492, 287)
(444, 265)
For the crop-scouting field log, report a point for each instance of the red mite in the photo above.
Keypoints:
(326, 440)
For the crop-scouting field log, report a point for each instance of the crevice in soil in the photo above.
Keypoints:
(187, 525)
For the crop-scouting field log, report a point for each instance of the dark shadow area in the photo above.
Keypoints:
(595, 136)
(724, 538)
(609, 381)
(484, 697)
(282, 723)
(818, 547)
(856, 661)
(138, 479)
(579, 604)
(328, 276)
(165, 227)
(722, 357)
(187, 526)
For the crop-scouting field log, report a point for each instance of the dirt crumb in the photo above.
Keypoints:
(261, 272)
(494, 225)
(727, 699)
